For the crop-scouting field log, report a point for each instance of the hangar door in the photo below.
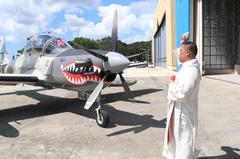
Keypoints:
(160, 45)
(218, 24)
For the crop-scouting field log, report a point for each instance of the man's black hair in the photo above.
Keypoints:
(191, 46)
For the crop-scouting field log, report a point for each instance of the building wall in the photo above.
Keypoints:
(182, 21)
(198, 30)
(187, 16)
(166, 8)
(181, 16)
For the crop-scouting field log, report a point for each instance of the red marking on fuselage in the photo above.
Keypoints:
(80, 79)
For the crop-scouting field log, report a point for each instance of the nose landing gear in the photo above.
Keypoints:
(102, 117)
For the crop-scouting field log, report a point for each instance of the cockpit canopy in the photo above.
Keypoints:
(46, 43)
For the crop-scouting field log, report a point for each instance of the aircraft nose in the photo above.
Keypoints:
(116, 62)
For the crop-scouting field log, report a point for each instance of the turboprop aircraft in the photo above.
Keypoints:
(48, 61)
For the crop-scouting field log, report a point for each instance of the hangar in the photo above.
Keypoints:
(213, 24)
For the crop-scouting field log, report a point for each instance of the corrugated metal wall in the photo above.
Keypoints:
(160, 45)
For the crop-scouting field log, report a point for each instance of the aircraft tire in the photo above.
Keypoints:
(103, 118)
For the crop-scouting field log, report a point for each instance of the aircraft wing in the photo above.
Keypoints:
(12, 79)
(137, 64)
(135, 55)
(118, 83)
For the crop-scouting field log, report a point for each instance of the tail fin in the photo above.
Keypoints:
(4, 61)
(3, 52)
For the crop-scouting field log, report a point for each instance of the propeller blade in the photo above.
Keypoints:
(96, 54)
(115, 32)
(94, 95)
(125, 86)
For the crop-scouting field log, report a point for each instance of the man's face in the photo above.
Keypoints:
(184, 54)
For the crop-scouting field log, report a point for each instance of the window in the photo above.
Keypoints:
(56, 45)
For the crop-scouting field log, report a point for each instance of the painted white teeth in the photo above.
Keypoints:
(99, 70)
(95, 69)
(81, 80)
(76, 69)
(90, 69)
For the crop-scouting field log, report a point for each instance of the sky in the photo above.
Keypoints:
(74, 18)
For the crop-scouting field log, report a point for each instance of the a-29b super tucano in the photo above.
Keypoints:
(49, 62)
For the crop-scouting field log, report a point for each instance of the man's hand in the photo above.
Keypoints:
(171, 79)
(184, 37)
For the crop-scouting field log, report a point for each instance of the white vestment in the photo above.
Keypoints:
(182, 116)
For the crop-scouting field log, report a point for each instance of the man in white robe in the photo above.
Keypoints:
(182, 116)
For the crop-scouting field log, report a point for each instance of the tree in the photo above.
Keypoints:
(81, 41)
(106, 44)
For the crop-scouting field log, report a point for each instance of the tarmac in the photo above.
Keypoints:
(39, 123)
(232, 78)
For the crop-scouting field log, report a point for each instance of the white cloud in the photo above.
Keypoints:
(22, 18)
(134, 22)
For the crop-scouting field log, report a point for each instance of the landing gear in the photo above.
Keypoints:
(102, 117)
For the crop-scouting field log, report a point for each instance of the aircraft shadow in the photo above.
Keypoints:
(26, 92)
(121, 96)
(231, 153)
(49, 105)
(55, 106)
(139, 123)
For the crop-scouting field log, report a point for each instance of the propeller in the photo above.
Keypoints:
(96, 54)
(115, 32)
(125, 86)
(115, 48)
(94, 95)
(113, 63)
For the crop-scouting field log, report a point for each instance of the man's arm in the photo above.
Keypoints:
(182, 88)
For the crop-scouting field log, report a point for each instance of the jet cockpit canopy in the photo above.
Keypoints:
(46, 43)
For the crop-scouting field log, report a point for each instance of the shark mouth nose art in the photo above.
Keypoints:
(81, 75)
